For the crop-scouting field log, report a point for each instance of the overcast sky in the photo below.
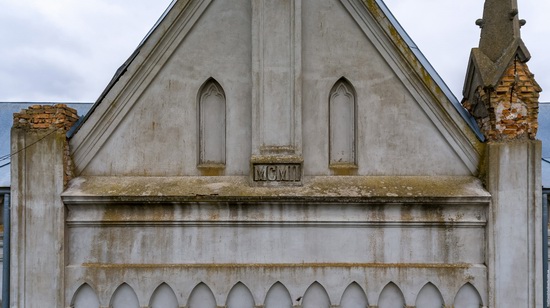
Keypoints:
(68, 50)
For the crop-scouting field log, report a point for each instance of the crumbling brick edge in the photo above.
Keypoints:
(58, 118)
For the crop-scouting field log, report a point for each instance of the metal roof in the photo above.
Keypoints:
(7, 109)
(543, 134)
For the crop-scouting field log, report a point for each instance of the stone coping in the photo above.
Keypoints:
(315, 188)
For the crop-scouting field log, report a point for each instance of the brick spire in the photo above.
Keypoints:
(500, 91)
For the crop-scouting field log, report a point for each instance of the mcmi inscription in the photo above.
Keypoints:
(277, 172)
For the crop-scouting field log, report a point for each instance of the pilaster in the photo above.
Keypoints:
(40, 169)
(277, 87)
(514, 253)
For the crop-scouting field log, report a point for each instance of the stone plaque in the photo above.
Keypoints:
(284, 173)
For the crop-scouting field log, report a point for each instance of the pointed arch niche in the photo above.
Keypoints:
(85, 297)
(342, 125)
(211, 110)
(201, 297)
(391, 296)
(278, 297)
(124, 297)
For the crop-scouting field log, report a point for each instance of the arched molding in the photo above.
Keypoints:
(211, 107)
(429, 297)
(85, 297)
(278, 297)
(342, 124)
(163, 297)
(354, 297)
(124, 297)
(467, 297)
(391, 296)
(201, 297)
(240, 297)
(316, 297)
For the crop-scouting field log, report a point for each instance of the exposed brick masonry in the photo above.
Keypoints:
(511, 107)
(59, 117)
(46, 116)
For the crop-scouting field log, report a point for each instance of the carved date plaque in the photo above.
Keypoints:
(286, 173)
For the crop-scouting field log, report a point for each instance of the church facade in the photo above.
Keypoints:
(285, 154)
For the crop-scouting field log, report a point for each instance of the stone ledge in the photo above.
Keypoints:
(237, 188)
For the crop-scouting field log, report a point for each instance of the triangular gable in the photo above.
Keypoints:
(149, 57)
(462, 132)
(372, 17)
(391, 27)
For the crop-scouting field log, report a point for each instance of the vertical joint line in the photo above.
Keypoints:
(515, 80)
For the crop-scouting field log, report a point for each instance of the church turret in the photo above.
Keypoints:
(500, 30)
(500, 91)
(502, 94)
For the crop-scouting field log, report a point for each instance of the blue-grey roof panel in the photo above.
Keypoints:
(543, 132)
(6, 120)
(545, 178)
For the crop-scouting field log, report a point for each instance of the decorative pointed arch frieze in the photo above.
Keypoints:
(391, 296)
(316, 297)
(342, 124)
(85, 297)
(429, 297)
(124, 297)
(467, 296)
(239, 297)
(201, 297)
(278, 297)
(212, 128)
(354, 297)
(164, 297)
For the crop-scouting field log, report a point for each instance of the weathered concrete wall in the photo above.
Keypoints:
(161, 215)
(218, 46)
(397, 244)
(396, 125)
(40, 168)
(132, 235)
(38, 218)
(515, 224)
